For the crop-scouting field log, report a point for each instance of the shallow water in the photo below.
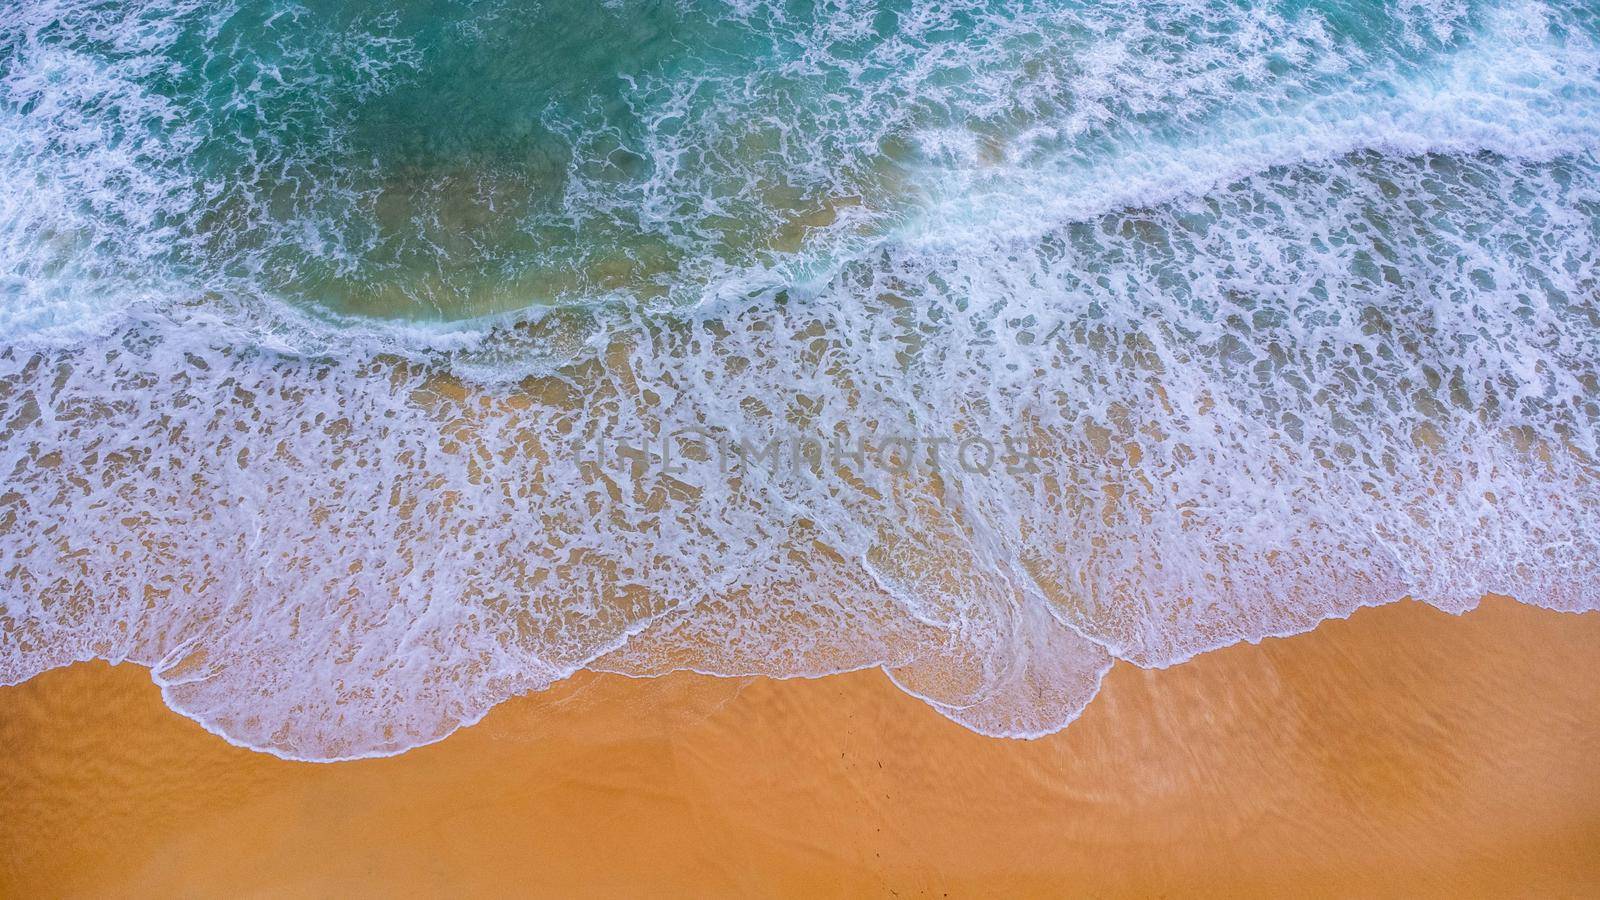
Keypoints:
(365, 367)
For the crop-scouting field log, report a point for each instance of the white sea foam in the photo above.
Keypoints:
(1327, 367)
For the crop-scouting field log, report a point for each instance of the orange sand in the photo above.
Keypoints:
(1400, 752)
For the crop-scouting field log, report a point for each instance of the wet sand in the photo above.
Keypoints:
(1400, 752)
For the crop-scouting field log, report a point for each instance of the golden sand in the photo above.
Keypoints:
(1403, 751)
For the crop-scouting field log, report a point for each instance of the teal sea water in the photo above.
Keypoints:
(364, 364)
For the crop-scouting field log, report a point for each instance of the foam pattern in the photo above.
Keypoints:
(1333, 338)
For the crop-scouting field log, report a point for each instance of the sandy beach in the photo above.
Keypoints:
(367, 369)
(1400, 752)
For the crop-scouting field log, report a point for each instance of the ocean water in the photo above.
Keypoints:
(364, 365)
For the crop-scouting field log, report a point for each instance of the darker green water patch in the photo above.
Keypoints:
(452, 159)
(447, 159)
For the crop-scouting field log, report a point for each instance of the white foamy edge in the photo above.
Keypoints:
(936, 706)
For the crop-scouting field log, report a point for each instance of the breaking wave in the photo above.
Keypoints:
(364, 368)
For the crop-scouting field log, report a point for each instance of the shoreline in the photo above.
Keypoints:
(585, 672)
(1401, 750)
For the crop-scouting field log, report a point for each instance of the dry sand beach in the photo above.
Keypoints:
(1401, 752)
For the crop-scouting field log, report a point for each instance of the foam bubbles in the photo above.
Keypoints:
(1301, 381)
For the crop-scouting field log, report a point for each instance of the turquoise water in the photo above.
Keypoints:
(448, 160)
(351, 354)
